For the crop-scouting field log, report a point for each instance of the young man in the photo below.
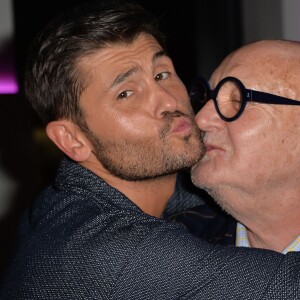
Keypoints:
(100, 78)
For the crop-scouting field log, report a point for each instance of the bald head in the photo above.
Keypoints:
(269, 65)
(251, 165)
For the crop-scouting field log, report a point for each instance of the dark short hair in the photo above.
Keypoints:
(53, 84)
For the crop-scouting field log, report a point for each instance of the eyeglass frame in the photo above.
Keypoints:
(248, 95)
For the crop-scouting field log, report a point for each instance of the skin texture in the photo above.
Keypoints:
(141, 128)
(251, 166)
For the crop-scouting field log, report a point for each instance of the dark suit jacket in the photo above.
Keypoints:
(209, 223)
(203, 218)
(83, 239)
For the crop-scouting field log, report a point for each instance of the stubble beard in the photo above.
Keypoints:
(140, 159)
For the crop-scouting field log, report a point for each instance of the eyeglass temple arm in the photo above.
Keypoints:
(263, 97)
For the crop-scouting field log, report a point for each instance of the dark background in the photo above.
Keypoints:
(199, 34)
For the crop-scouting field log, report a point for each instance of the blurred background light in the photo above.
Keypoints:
(8, 78)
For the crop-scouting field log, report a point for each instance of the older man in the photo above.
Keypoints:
(250, 116)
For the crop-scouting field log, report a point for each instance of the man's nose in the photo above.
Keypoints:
(163, 100)
(208, 119)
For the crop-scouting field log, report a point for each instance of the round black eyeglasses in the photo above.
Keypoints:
(230, 97)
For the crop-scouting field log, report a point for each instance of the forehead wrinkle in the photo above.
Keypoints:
(123, 76)
(134, 69)
(90, 64)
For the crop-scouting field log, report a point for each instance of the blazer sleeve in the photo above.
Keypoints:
(174, 265)
(146, 259)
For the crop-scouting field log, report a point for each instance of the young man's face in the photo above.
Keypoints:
(138, 111)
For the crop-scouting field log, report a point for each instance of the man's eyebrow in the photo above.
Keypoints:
(159, 54)
(123, 76)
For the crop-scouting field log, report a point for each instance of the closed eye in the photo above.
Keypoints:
(162, 76)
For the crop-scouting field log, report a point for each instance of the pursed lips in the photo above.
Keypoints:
(181, 125)
(211, 147)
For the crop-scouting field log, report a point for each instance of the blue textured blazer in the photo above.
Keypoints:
(83, 239)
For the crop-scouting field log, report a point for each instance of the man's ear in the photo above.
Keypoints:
(69, 139)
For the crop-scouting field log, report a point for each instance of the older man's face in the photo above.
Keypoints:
(259, 150)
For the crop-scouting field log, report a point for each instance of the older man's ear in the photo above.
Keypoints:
(69, 139)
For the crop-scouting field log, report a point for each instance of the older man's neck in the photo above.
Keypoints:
(275, 230)
(276, 241)
(272, 217)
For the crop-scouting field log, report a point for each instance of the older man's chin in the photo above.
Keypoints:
(200, 176)
(195, 174)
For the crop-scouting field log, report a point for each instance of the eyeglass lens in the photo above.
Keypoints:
(199, 95)
(229, 99)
